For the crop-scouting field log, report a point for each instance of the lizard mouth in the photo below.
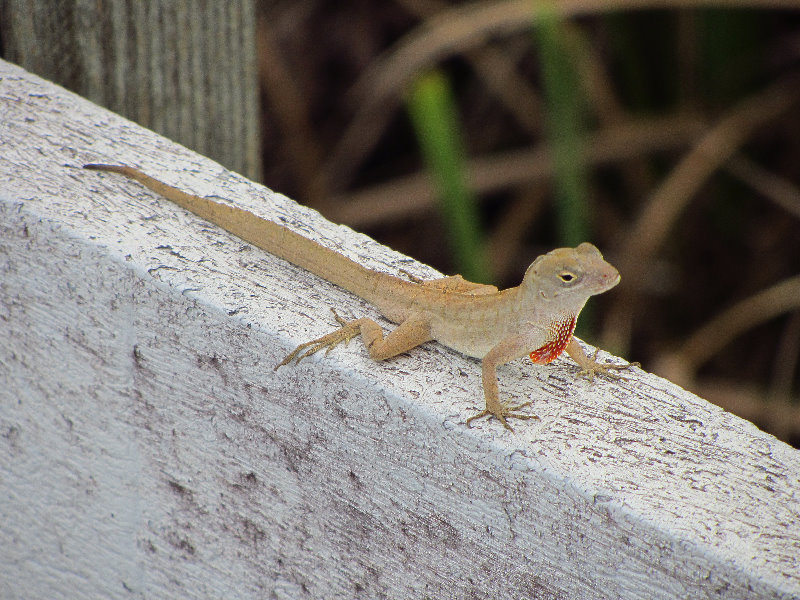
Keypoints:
(608, 281)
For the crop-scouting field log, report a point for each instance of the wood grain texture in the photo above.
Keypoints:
(147, 449)
(186, 69)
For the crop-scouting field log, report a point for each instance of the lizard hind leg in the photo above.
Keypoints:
(412, 332)
(346, 332)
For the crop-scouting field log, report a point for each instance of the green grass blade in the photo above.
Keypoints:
(434, 116)
(566, 116)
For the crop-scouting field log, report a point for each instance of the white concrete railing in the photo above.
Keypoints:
(147, 448)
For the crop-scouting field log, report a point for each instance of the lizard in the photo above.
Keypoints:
(537, 318)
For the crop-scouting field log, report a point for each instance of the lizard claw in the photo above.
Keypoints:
(502, 413)
(346, 332)
(605, 369)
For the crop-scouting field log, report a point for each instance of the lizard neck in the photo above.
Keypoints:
(559, 334)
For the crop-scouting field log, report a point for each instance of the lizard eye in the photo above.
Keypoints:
(567, 276)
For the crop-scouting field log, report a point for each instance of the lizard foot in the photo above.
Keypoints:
(593, 367)
(346, 332)
(502, 413)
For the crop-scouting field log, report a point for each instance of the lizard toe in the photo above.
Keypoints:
(502, 413)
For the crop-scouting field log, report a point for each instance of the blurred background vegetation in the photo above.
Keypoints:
(476, 136)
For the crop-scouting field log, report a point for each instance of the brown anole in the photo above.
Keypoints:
(536, 318)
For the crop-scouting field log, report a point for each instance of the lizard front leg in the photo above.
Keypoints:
(412, 332)
(504, 352)
(590, 366)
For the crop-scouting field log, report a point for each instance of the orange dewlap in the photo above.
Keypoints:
(560, 335)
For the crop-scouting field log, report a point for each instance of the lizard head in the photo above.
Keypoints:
(569, 276)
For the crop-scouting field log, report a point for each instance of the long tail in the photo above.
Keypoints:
(267, 235)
